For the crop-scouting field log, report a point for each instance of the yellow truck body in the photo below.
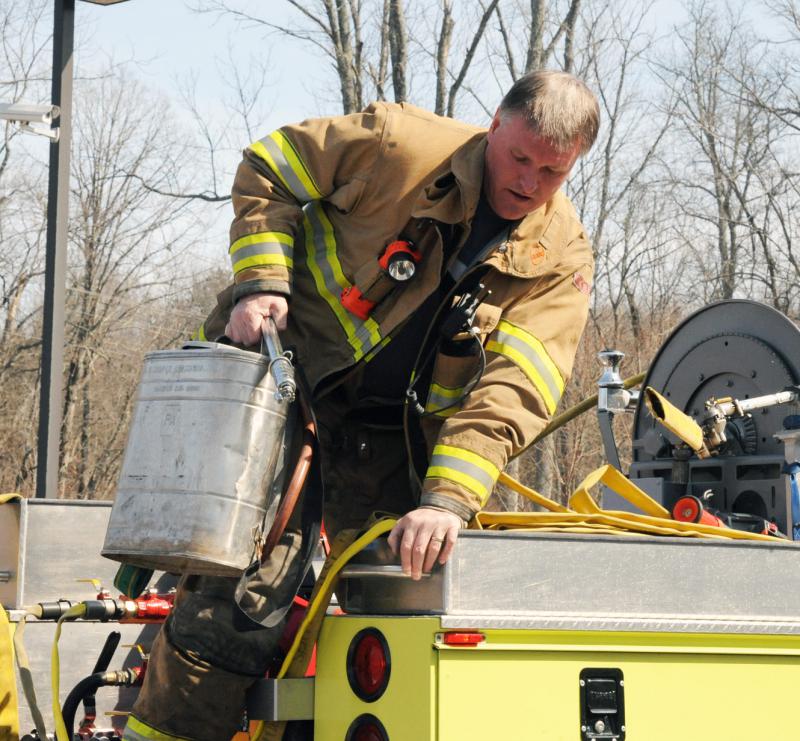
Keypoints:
(526, 684)
(576, 637)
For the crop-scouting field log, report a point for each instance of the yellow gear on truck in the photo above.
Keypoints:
(528, 634)
(9, 715)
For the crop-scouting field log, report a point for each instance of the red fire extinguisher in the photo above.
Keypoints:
(691, 509)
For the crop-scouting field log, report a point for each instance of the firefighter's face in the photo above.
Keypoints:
(522, 170)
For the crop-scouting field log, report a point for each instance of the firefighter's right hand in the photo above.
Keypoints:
(244, 325)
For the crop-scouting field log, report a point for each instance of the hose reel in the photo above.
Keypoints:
(740, 349)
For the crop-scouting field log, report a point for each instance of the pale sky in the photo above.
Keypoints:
(164, 43)
(170, 42)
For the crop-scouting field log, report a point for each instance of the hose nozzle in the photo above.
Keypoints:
(678, 423)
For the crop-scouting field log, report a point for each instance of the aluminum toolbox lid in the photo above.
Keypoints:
(521, 579)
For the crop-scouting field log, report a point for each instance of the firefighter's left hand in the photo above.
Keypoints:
(422, 537)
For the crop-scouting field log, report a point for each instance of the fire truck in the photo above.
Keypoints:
(663, 604)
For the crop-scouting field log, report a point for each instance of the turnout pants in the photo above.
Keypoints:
(208, 652)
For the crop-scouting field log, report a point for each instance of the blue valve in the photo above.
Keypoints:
(793, 469)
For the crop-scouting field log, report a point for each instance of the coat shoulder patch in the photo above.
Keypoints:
(581, 283)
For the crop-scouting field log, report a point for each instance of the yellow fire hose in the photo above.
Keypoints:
(581, 407)
(24, 667)
(323, 594)
(9, 706)
(55, 671)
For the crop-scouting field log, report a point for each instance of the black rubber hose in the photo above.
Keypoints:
(101, 665)
(104, 659)
(85, 688)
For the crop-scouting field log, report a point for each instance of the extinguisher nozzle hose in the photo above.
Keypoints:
(280, 362)
(283, 372)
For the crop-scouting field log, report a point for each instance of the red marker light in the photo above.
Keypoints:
(368, 664)
(465, 638)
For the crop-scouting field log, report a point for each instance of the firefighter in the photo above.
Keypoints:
(433, 282)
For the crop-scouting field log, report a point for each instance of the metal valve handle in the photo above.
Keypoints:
(280, 362)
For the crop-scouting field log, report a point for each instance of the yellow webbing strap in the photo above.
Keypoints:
(55, 672)
(534, 496)
(9, 708)
(25, 677)
(619, 483)
(9, 711)
(309, 628)
(584, 515)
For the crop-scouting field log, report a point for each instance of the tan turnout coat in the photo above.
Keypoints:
(316, 204)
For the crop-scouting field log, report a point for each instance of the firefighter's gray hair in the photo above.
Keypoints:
(558, 106)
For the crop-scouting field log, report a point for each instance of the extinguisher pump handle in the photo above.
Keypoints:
(280, 362)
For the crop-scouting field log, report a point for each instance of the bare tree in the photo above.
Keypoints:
(368, 43)
(547, 24)
(334, 27)
(786, 106)
(731, 140)
(128, 251)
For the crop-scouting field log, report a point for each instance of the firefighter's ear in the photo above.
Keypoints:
(495, 122)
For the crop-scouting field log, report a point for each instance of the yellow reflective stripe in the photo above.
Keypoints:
(324, 266)
(527, 367)
(135, 730)
(526, 351)
(262, 248)
(446, 391)
(463, 467)
(537, 346)
(259, 238)
(279, 154)
(372, 353)
(298, 166)
(201, 333)
(437, 411)
(440, 397)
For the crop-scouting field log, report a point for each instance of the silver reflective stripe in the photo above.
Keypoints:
(440, 397)
(300, 192)
(323, 262)
(130, 735)
(262, 248)
(457, 269)
(522, 347)
(464, 467)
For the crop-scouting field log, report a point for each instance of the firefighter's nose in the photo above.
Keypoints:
(528, 182)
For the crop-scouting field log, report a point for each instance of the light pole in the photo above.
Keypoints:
(51, 390)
